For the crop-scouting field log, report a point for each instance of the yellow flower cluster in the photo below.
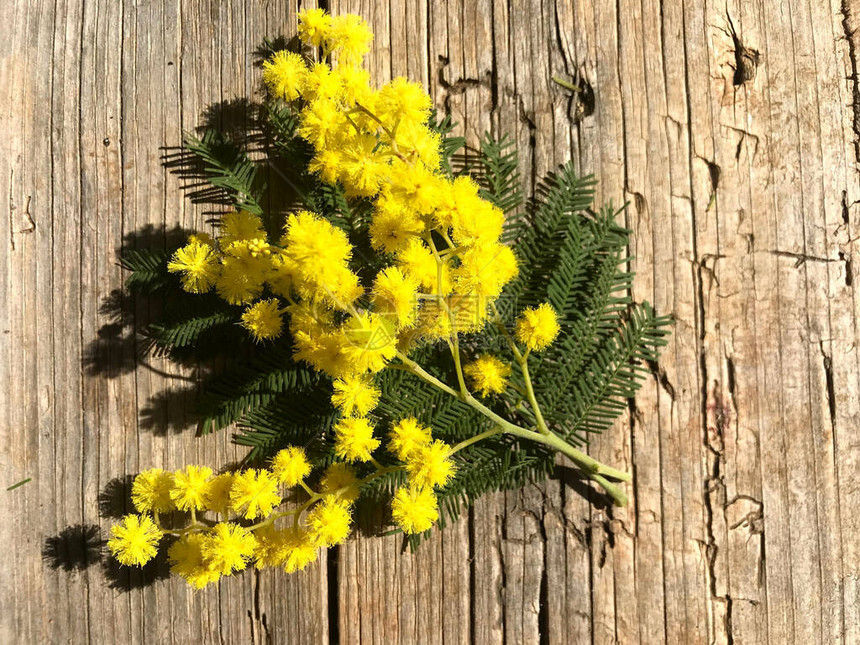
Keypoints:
(443, 266)
(206, 549)
(440, 238)
(428, 465)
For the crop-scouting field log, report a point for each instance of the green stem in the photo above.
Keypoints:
(530, 392)
(478, 437)
(567, 84)
(595, 470)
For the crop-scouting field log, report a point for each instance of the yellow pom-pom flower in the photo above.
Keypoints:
(355, 395)
(323, 90)
(329, 522)
(198, 265)
(218, 493)
(291, 466)
(271, 546)
(480, 223)
(239, 226)
(135, 540)
(407, 436)
(393, 227)
(263, 319)
(417, 261)
(488, 374)
(363, 168)
(284, 75)
(339, 481)
(186, 558)
(414, 509)
(431, 465)
(349, 37)
(537, 327)
(396, 295)
(404, 100)
(191, 488)
(368, 342)
(150, 491)
(300, 550)
(485, 269)
(314, 26)
(320, 253)
(254, 493)
(243, 272)
(354, 439)
(227, 548)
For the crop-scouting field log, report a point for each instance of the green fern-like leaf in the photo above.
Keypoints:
(613, 375)
(450, 144)
(148, 269)
(250, 385)
(228, 168)
(500, 175)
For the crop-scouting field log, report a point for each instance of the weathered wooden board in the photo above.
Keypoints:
(732, 129)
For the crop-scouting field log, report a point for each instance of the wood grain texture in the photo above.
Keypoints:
(733, 131)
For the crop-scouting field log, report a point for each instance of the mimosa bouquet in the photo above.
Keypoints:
(402, 331)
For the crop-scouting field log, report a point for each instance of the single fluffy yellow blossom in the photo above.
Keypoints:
(355, 84)
(291, 466)
(198, 265)
(363, 168)
(329, 522)
(191, 488)
(354, 439)
(349, 37)
(420, 142)
(186, 558)
(407, 436)
(488, 374)
(300, 550)
(227, 548)
(480, 222)
(323, 124)
(272, 546)
(430, 465)
(393, 226)
(417, 261)
(327, 163)
(263, 319)
(284, 74)
(218, 493)
(396, 295)
(322, 86)
(415, 184)
(150, 491)
(340, 481)
(485, 269)
(314, 26)
(254, 493)
(355, 395)
(460, 194)
(320, 253)
(368, 342)
(239, 226)
(243, 273)
(414, 509)
(135, 540)
(405, 101)
(537, 327)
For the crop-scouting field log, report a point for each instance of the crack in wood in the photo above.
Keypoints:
(850, 31)
(747, 59)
